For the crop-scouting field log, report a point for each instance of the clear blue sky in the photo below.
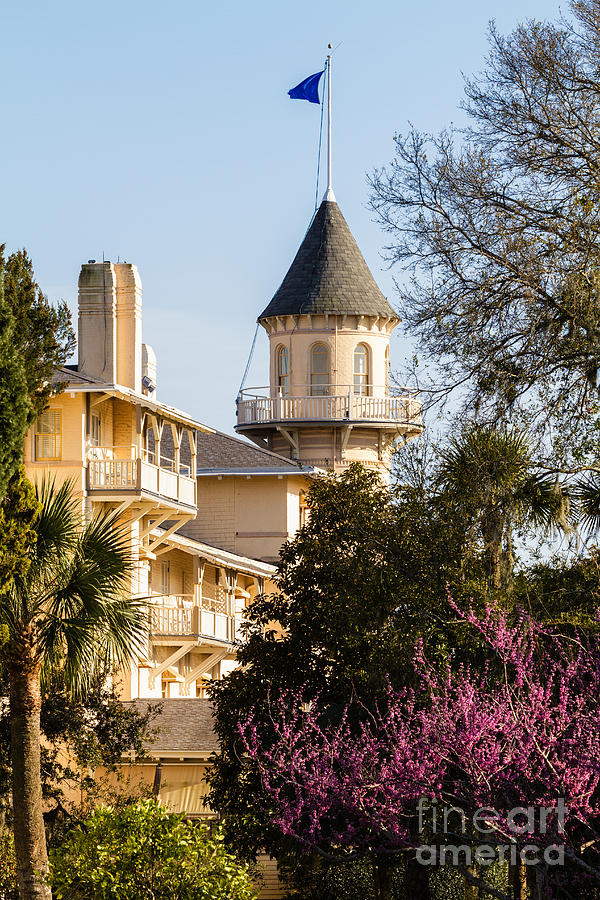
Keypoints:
(163, 134)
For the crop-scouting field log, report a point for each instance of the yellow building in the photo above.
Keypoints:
(207, 513)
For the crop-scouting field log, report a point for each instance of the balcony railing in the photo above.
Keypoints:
(121, 469)
(194, 621)
(257, 406)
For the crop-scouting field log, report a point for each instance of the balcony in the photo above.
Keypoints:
(332, 403)
(180, 618)
(121, 470)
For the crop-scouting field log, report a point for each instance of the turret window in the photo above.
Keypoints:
(319, 370)
(283, 370)
(361, 370)
(387, 368)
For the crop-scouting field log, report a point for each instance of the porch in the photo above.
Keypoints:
(181, 617)
(126, 470)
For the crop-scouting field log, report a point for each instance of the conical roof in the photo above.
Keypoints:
(329, 274)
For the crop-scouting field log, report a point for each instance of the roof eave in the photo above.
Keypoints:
(245, 564)
(125, 393)
(389, 318)
(295, 470)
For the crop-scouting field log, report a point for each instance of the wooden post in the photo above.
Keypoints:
(199, 565)
(157, 427)
(230, 582)
(193, 452)
(177, 432)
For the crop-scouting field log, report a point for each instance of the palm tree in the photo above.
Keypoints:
(67, 610)
(489, 473)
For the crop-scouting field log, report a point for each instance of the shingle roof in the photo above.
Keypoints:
(182, 724)
(329, 273)
(223, 452)
(70, 375)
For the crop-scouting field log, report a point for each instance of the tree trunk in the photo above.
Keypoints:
(30, 835)
(471, 891)
(416, 879)
(519, 880)
(496, 567)
(492, 529)
(382, 878)
(539, 883)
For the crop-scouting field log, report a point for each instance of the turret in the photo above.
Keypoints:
(329, 400)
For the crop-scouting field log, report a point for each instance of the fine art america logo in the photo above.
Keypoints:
(521, 834)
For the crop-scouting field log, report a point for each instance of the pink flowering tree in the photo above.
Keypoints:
(504, 760)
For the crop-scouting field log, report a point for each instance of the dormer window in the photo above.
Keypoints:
(361, 370)
(283, 370)
(319, 370)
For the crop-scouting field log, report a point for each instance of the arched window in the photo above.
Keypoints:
(361, 370)
(283, 370)
(387, 367)
(319, 370)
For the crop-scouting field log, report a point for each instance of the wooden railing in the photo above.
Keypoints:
(119, 468)
(326, 462)
(197, 621)
(334, 402)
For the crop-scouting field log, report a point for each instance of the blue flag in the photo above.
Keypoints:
(307, 89)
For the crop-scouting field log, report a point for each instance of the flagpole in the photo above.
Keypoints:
(329, 195)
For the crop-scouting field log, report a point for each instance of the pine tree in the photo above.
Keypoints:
(15, 404)
(35, 338)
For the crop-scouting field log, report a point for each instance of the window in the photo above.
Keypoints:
(361, 370)
(94, 430)
(319, 370)
(304, 510)
(387, 368)
(165, 578)
(283, 370)
(48, 435)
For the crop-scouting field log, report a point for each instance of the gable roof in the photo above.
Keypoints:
(329, 274)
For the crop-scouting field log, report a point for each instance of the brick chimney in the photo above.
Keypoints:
(110, 323)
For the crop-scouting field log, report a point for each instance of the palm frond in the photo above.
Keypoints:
(59, 521)
(587, 496)
(484, 460)
(90, 618)
(76, 594)
(542, 502)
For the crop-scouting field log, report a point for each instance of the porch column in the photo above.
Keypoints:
(199, 565)
(177, 432)
(193, 452)
(230, 581)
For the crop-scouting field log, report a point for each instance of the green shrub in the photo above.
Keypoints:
(312, 878)
(8, 867)
(143, 851)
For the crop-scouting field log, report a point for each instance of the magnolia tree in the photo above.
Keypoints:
(471, 767)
